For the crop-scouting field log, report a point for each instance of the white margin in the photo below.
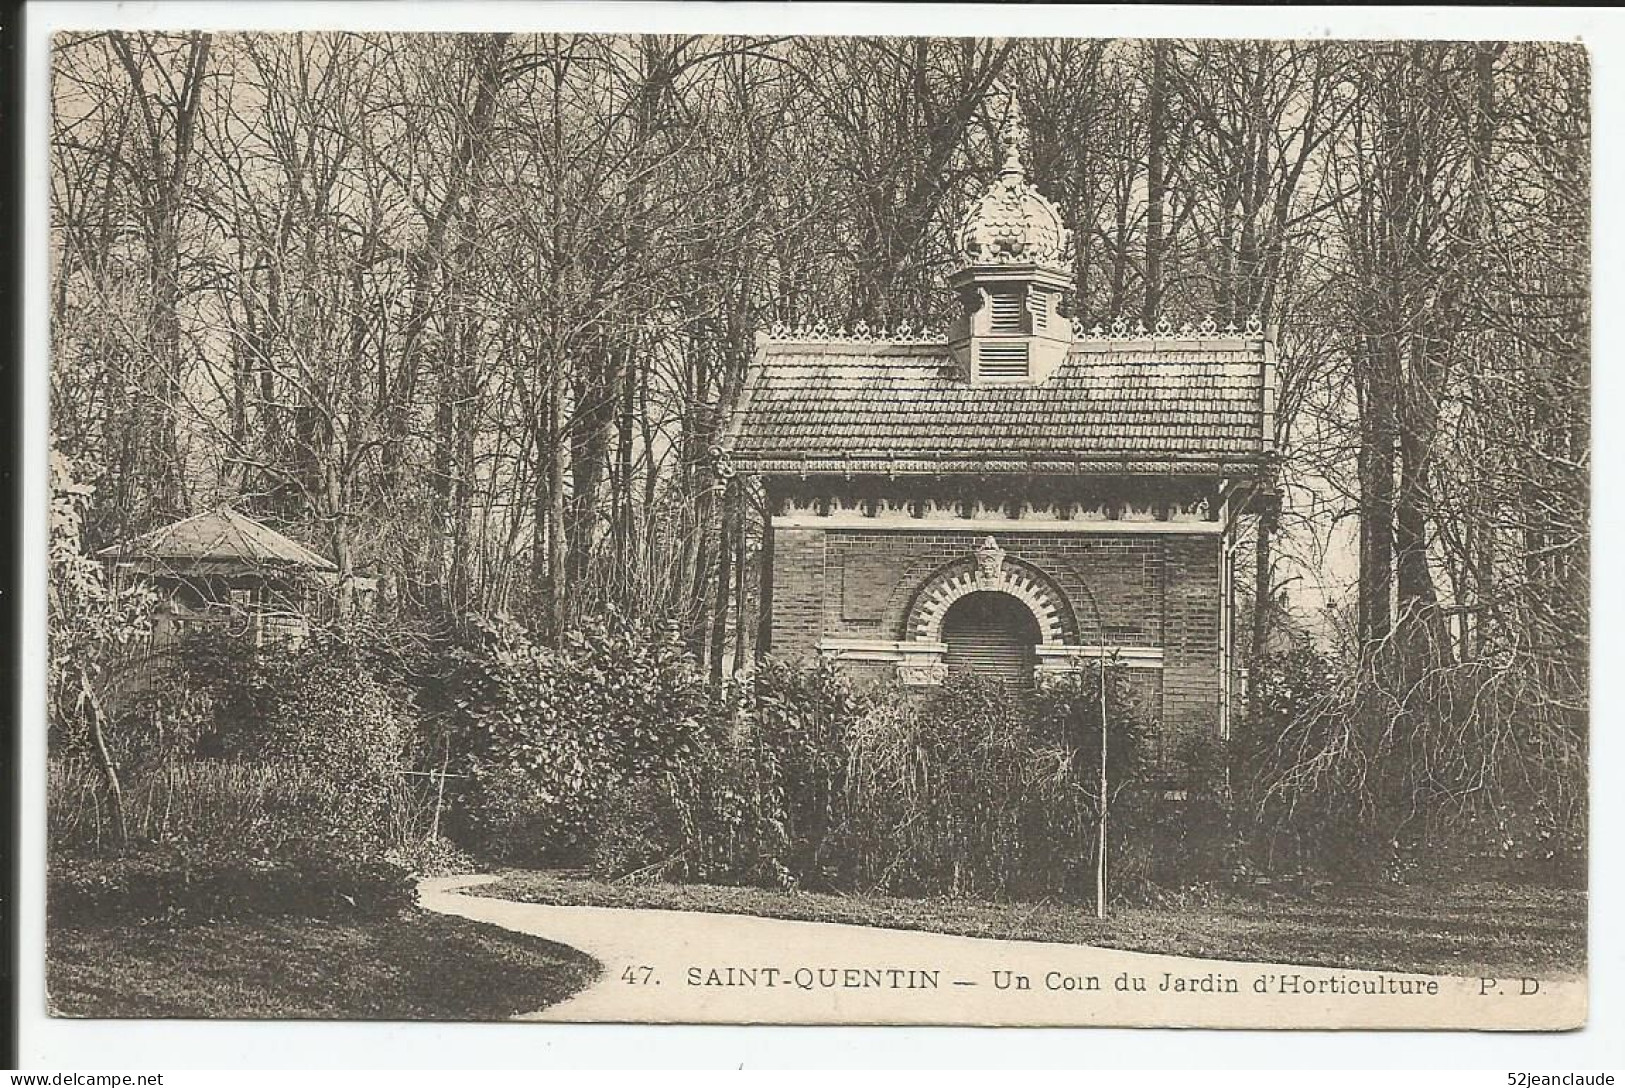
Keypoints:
(78, 1044)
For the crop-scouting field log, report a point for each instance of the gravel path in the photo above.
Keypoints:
(686, 967)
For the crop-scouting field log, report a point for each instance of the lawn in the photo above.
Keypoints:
(1498, 929)
(420, 966)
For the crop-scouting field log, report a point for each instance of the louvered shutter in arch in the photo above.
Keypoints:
(992, 634)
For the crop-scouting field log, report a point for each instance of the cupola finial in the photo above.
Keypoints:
(1014, 135)
(1013, 223)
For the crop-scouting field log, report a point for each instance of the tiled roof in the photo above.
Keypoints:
(221, 536)
(1127, 406)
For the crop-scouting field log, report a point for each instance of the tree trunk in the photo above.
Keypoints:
(556, 617)
(152, 425)
(592, 438)
(623, 528)
(724, 582)
(1155, 182)
(764, 581)
(739, 575)
(1418, 599)
(1263, 598)
(1376, 473)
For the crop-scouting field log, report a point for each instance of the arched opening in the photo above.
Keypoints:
(991, 633)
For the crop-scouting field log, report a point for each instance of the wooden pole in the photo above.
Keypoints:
(104, 756)
(1100, 850)
(440, 789)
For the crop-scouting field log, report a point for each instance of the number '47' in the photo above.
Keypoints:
(639, 975)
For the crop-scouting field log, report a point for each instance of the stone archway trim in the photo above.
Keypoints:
(925, 621)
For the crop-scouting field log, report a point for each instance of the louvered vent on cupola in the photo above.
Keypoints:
(1002, 361)
(1006, 312)
(1038, 307)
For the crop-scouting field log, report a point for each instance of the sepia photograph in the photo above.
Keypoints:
(807, 529)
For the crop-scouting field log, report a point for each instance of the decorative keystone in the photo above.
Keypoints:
(989, 560)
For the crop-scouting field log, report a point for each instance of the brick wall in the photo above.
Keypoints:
(878, 574)
(798, 592)
(1152, 589)
(1190, 664)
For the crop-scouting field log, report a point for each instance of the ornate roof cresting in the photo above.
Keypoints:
(1013, 223)
(1164, 329)
(820, 332)
(1118, 328)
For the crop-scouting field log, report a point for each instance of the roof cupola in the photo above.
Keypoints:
(1017, 268)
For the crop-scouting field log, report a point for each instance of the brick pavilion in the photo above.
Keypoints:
(1014, 496)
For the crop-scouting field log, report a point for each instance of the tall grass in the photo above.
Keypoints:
(977, 790)
(267, 809)
(982, 807)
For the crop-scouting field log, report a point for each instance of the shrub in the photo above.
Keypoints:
(214, 697)
(1183, 837)
(715, 817)
(636, 840)
(433, 855)
(163, 721)
(96, 624)
(793, 727)
(319, 716)
(941, 791)
(1296, 724)
(162, 704)
(1381, 762)
(217, 742)
(171, 886)
(501, 815)
(758, 799)
(1170, 849)
(319, 708)
(546, 735)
